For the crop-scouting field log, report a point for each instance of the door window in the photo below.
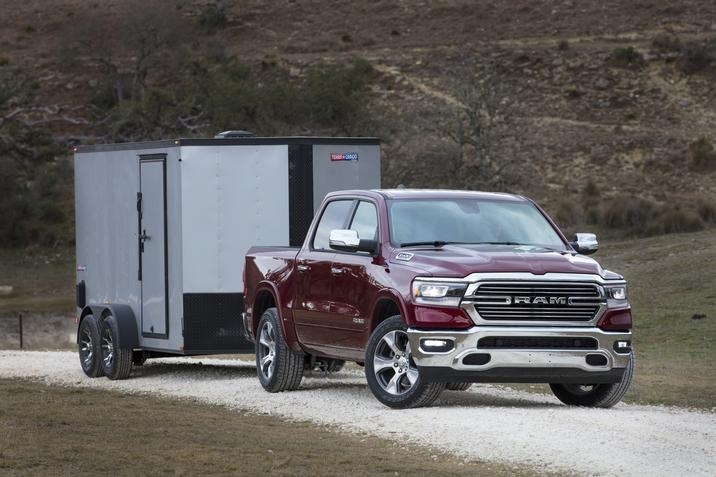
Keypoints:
(365, 221)
(334, 217)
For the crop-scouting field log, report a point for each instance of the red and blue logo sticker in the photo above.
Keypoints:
(344, 156)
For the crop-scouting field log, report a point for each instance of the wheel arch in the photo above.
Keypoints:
(266, 296)
(386, 305)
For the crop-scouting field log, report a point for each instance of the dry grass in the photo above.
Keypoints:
(69, 431)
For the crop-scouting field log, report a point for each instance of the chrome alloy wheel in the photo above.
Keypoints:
(393, 363)
(107, 348)
(267, 350)
(86, 348)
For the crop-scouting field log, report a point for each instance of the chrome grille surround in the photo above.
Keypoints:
(507, 299)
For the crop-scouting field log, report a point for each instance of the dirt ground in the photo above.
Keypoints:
(56, 431)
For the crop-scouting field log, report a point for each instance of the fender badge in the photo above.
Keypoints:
(404, 256)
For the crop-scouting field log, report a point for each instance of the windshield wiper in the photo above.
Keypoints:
(434, 243)
(499, 243)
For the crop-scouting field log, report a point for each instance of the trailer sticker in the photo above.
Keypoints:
(404, 256)
(344, 156)
(81, 268)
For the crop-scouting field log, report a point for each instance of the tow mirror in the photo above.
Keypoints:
(348, 241)
(586, 244)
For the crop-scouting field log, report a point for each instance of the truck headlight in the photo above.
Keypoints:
(616, 296)
(438, 293)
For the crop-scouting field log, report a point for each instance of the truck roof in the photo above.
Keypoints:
(445, 193)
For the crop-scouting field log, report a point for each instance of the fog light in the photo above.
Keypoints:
(622, 346)
(436, 345)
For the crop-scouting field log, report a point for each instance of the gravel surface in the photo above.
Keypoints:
(485, 423)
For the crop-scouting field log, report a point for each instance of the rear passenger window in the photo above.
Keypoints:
(365, 221)
(334, 217)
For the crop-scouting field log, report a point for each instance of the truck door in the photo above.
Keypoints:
(356, 282)
(152, 242)
(313, 304)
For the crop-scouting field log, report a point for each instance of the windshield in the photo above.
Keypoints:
(478, 221)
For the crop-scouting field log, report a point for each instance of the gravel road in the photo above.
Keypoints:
(485, 423)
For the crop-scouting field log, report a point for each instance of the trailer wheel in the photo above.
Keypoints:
(278, 367)
(116, 361)
(392, 375)
(595, 395)
(458, 386)
(89, 347)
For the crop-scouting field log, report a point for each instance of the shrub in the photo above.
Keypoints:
(563, 45)
(706, 210)
(695, 58)
(702, 155)
(675, 219)
(627, 57)
(629, 213)
(213, 17)
(666, 42)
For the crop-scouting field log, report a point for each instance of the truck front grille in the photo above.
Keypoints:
(537, 301)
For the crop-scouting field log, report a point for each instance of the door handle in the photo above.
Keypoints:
(303, 268)
(144, 237)
(336, 271)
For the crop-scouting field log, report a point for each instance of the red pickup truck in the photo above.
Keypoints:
(439, 289)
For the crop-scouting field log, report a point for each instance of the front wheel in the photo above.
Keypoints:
(278, 367)
(595, 395)
(391, 373)
(116, 360)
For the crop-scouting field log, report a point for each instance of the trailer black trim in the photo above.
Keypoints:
(161, 157)
(254, 141)
(300, 190)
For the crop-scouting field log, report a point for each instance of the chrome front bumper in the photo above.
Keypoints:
(522, 360)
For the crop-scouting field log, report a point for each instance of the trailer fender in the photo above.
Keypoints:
(124, 316)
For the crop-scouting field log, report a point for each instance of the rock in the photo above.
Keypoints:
(698, 316)
(5, 290)
(600, 83)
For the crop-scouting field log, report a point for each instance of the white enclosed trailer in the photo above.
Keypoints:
(162, 229)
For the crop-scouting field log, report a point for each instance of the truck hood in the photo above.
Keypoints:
(458, 261)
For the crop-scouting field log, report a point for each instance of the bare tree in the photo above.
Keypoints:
(481, 124)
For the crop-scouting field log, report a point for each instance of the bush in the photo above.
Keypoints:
(628, 213)
(213, 17)
(666, 42)
(675, 220)
(696, 57)
(702, 155)
(627, 57)
(706, 210)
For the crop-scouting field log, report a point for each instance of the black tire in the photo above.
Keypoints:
(116, 361)
(278, 367)
(458, 386)
(390, 370)
(88, 347)
(595, 395)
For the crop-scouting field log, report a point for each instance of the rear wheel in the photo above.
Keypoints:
(458, 386)
(116, 361)
(89, 347)
(278, 367)
(595, 395)
(391, 372)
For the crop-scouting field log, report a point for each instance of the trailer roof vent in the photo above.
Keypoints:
(234, 135)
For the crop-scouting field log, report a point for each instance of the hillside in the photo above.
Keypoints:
(590, 107)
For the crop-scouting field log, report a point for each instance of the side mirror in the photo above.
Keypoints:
(586, 244)
(348, 241)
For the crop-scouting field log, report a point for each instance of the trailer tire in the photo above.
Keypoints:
(458, 386)
(595, 395)
(116, 360)
(278, 367)
(392, 375)
(88, 345)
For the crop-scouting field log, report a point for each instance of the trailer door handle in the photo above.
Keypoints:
(336, 271)
(303, 268)
(144, 237)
